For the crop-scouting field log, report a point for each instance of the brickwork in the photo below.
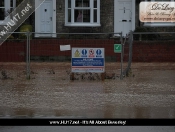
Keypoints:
(157, 51)
(107, 15)
(60, 16)
(143, 51)
(13, 52)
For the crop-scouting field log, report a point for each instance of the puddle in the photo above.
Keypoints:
(150, 93)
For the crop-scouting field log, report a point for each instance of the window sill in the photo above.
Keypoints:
(83, 24)
(161, 24)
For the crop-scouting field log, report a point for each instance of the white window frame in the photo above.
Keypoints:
(7, 7)
(159, 24)
(82, 24)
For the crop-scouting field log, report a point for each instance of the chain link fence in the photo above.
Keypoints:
(11, 51)
(25, 56)
(41, 58)
(48, 62)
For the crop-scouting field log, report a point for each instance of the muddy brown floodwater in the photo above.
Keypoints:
(149, 92)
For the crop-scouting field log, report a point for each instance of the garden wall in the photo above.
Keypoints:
(45, 49)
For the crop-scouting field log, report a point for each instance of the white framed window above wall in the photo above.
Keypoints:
(84, 13)
(6, 7)
(159, 24)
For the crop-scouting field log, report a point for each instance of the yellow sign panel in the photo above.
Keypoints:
(77, 53)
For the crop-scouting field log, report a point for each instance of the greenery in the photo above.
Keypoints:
(25, 28)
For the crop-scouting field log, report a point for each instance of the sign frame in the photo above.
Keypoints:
(92, 60)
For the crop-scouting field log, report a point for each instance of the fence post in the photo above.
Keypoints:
(29, 34)
(27, 55)
(130, 41)
(130, 49)
(121, 75)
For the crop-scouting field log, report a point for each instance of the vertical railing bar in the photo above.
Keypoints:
(121, 75)
(130, 41)
(29, 34)
(27, 57)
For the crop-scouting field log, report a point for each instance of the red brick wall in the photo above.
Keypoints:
(13, 52)
(158, 51)
(142, 51)
(52, 47)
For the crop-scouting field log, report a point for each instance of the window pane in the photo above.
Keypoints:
(86, 3)
(95, 3)
(82, 15)
(95, 15)
(82, 3)
(86, 15)
(69, 3)
(78, 3)
(69, 15)
(78, 16)
(11, 3)
(2, 13)
(1, 3)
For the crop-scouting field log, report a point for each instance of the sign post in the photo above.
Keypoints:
(118, 48)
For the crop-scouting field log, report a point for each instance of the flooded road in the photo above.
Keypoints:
(148, 93)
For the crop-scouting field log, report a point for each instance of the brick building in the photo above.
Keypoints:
(97, 16)
(87, 16)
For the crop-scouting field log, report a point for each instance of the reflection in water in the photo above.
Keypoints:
(19, 88)
(23, 112)
(150, 94)
(60, 113)
(109, 111)
(141, 112)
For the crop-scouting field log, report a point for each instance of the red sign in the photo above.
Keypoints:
(91, 53)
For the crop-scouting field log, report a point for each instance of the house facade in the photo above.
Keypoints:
(94, 16)
(86, 16)
(100, 16)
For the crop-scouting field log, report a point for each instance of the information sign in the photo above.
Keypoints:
(88, 60)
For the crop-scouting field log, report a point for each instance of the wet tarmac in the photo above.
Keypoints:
(148, 93)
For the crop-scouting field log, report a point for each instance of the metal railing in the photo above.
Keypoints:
(144, 36)
(28, 42)
(70, 36)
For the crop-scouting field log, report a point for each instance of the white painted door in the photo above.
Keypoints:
(123, 16)
(46, 17)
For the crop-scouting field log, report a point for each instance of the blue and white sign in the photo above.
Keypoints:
(88, 60)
